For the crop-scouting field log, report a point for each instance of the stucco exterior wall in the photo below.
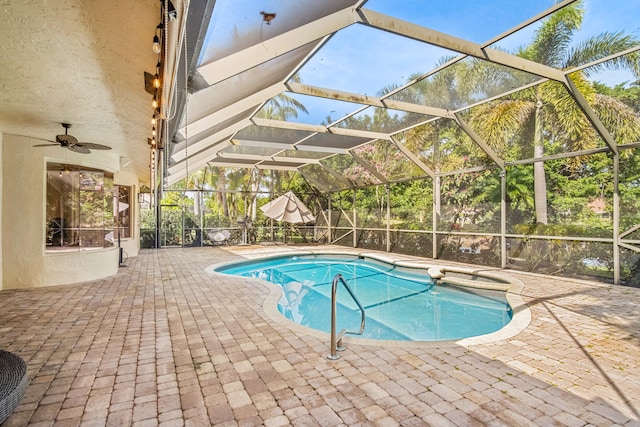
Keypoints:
(1, 204)
(25, 262)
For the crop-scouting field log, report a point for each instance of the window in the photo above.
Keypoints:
(123, 218)
(83, 208)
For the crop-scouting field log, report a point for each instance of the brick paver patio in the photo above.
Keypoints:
(165, 343)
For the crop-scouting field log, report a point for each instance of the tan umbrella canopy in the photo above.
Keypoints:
(288, 208)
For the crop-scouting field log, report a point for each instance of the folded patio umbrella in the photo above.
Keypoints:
(288, 208)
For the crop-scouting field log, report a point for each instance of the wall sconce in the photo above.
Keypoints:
(124, 162)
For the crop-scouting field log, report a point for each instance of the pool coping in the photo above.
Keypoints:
(521, 313)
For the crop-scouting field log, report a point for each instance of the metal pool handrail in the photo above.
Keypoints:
(336, 339)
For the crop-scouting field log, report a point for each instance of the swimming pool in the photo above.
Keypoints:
(400, 303)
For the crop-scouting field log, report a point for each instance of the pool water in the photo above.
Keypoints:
(400, 303)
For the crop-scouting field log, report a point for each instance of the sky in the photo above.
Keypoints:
(364, 60)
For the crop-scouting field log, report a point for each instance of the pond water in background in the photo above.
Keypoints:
(400, 303)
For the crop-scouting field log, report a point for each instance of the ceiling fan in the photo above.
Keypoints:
(71, 142)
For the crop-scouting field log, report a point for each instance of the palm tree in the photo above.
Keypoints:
(547, 110)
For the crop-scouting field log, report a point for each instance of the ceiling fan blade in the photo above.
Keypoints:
(93, 146)
(79, 149)
(41, 139)
(46, 145)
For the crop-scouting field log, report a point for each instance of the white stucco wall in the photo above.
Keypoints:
(23, 193)
(1, 204)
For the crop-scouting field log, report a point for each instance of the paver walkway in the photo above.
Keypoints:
(165, 343)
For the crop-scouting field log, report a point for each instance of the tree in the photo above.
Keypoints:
(548, 111)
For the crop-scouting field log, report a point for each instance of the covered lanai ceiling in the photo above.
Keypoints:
(82, 63)
(349, 63)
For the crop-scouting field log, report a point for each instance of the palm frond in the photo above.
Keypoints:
(553, 38)
(498, 122)
(619, 118)
(601, 46)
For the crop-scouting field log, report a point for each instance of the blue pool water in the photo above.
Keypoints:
(400, 303)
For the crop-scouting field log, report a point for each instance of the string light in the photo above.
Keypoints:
(156, 40)
(156, 77)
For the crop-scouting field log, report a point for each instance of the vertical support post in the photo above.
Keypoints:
(436, 215)
(355, 215)
(156, 190)
(388, 186)
(330, 216)
(201, 207)
(183, 222)
(503, 218)
(273, 238)
(616, 218)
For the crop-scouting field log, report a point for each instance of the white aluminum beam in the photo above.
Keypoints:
(320, 129)
(591, 115)
(288, 125)
(257, 54)
(369, 168)
(281, 168)
(259, 158)
(327, 150)
(446, 41)
(358, 133)
(479, 141)
(262, 144)
(176, 176)
(559, 5)
(367, 100)
(334, 94)
(206, 155)
(254, 100)
(415, 108)
(415, 159)
(181, 150)
(315, 182)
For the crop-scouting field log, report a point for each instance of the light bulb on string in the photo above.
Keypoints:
(153, 131)
(156, 44)
(156, 40)
(156, 77)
